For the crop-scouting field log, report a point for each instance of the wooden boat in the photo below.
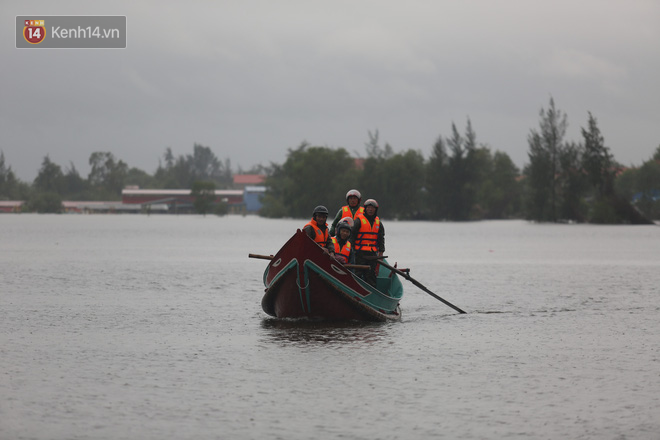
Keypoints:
(304, 282)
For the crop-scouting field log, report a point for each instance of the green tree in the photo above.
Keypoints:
(274, 204)
(462, 178)
(456, 177)
(311, 176)
(203, 193)
(266, 170)
(544, 164)
(374, 150)
(75, 187)
(169, 158)
(50, 177)
(625, 183)
(480, 173)
(138, 177)
(396, 183)
(11, 188)
(457, 169)
(204, 164)
(639, 185)
(371, 180)
(46, 202)
(437, 181)
(107, 175)
(597, 161)
(201, 165)
(179, 175)
(647, 197)
(164, 176)
(504, 201)
(498, 190)
(599, 167)
(571, 184)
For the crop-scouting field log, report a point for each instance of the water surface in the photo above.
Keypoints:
(124, 327)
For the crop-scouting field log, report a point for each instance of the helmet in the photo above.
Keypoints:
(345, 223)
(371, 202)
(320, 210)
(354, 192)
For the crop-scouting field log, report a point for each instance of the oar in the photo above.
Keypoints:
(261, 257)
(418, 284)
(270, 257)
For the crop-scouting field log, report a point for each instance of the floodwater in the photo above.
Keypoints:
(150, 327)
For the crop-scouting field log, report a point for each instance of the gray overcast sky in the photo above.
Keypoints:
(251, 79)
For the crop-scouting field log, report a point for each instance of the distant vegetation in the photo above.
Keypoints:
(463, 180)
(564, 181)
(108, 176)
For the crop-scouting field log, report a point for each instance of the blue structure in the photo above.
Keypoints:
(252, 198)
(653, 195)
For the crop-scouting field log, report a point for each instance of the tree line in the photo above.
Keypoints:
(108, 175)
(466, 182)
(564, 181)
(581, 181)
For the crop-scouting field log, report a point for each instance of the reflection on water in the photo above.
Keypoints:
(317, 332)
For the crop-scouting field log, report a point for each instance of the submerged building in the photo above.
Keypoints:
(179, 200)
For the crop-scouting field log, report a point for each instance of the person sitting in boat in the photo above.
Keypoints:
(341, 248)
(368, 239)
(353, 208)
(317, 228)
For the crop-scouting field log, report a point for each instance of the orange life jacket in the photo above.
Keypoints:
(320, 237)
(346, 212)
(367, 236)
(344, 253)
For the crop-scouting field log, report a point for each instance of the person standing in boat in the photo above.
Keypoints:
(317, 228)
(341, 248)
(352, 209)
(368, 239)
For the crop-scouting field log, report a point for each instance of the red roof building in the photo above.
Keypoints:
(11, 205)
(243, 180)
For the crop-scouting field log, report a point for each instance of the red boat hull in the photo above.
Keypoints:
(303, 282)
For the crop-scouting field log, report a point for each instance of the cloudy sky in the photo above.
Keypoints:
(253, 78)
